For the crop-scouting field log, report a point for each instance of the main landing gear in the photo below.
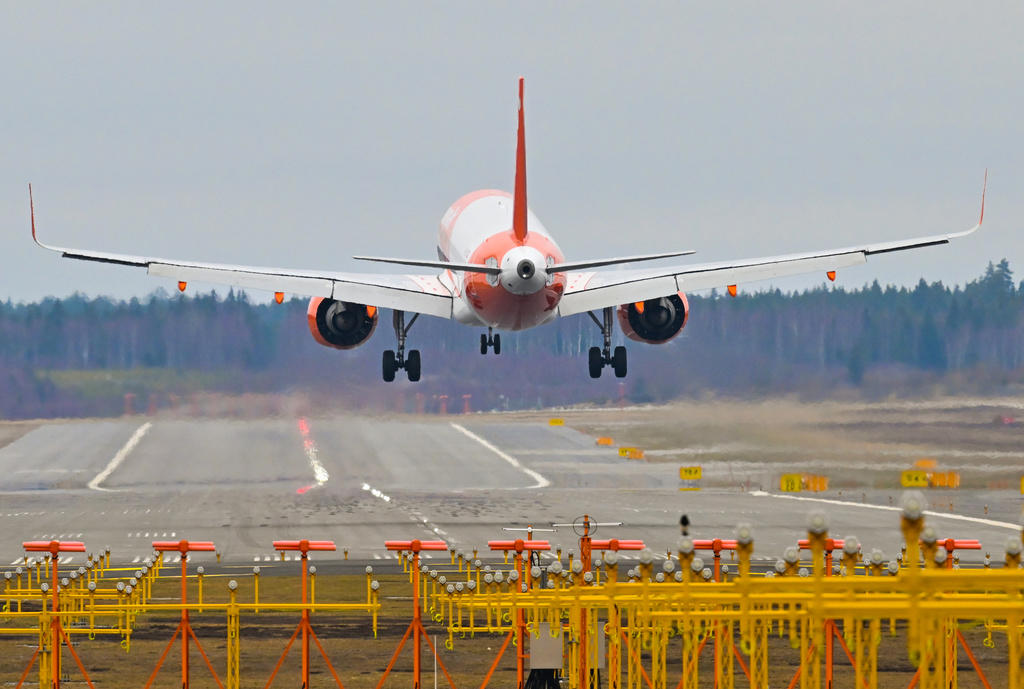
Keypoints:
(490, 340)
(396, 360)
(600, 357)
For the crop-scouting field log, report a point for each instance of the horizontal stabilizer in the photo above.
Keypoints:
(440, 265)
(581, 265)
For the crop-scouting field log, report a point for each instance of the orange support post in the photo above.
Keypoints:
(304, 547)
(716, 546)
(416, 626)
(57, 636)
(587, 546)
(519, 546)
(830, 626)
(185, 625)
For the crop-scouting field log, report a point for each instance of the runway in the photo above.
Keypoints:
(360, 481)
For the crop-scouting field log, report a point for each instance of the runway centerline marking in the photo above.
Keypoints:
(541, 481)
(121, 455)
(930, 513)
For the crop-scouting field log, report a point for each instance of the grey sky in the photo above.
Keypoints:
(299, 134)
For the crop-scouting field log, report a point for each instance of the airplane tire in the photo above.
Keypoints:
(412, 365)
(619, 362)
(483, 343)
(596, 362)
(389, 365)
(497, 344)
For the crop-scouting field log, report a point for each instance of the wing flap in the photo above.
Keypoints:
(416, 293)
(293, 284)
(613, 288)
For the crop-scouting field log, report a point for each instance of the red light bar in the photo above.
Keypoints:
(830, 543)
(54, 546)
(715, 544)
(519, 545)
(304, 545)
(183, 546)
(617, 544)
(960, 544)
(415, 545)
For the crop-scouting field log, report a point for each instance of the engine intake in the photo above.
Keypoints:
(340, 324)
(656, 320)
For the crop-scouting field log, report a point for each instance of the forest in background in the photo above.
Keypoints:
(79, 356)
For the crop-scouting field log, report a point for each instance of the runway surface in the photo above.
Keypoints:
(360, 481)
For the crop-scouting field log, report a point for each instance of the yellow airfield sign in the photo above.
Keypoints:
(690, 473)
(791, 483)
(690, 477)
(914, 478)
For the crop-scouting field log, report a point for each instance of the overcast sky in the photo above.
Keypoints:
(299, 134)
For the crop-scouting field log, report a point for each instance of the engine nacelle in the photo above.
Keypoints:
(340, 324)
(656, 320)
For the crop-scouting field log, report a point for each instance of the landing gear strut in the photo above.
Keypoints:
(490, 340)
(392, 360)
(599, 357)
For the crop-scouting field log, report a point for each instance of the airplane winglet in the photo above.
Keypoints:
(32, 215)
(519, 201)
(984, 187)
(32, 212)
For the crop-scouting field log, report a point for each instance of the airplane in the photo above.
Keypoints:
(500, 269)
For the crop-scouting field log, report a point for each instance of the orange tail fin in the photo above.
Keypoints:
(519, 201)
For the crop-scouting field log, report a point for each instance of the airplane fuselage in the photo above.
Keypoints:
(478, 229)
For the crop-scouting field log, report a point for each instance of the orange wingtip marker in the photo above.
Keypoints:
(182, 285)
(371, 311)
(279, 297)
(732, 290)
(831, 275)
(639, 306)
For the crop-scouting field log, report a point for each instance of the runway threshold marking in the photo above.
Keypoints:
(930, 513)
(121, 455)
(541, 481)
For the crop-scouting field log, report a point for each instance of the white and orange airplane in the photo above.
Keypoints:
(500, 269)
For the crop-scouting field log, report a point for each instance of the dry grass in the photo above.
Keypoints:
(858, 445)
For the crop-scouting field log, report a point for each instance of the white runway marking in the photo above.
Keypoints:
(930, 513)
(121, 455)
(541, 481)
(136, 559)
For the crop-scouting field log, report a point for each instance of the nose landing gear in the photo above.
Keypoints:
(392, 360)
(490, 340)
(599, 357)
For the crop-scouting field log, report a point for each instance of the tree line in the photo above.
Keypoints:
(79, 356)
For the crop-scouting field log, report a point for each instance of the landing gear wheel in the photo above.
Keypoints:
(412, 365)
(389, 365)
(483, 343)
(497, 344)
(596, 362)
(619, 362)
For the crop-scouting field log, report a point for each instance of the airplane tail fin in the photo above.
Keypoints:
(519, 199)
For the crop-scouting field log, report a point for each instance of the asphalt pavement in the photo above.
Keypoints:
(360, 480)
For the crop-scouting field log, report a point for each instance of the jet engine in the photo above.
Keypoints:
(340, 324)
(656, 320)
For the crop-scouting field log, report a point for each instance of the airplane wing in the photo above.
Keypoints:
(426, 294)
(595, 290)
